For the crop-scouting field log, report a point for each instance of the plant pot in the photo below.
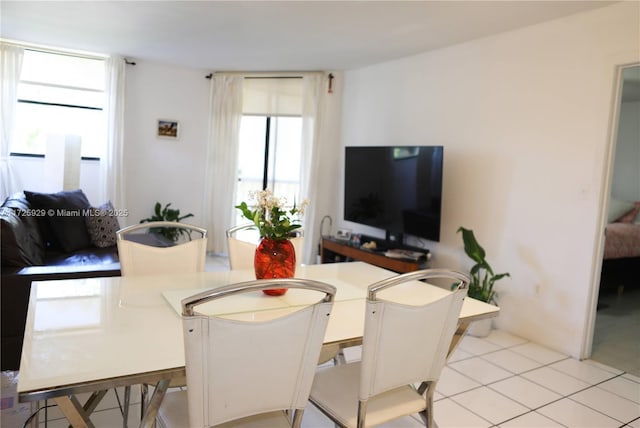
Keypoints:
(480, 328)
(275, 259)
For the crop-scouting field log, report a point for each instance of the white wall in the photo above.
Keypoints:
(524, 118)
(163, 170)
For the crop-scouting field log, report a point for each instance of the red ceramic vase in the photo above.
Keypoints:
(275, 258)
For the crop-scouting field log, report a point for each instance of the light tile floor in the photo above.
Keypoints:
(616, 341)
(498, 381)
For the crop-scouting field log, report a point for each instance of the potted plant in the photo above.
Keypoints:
(275, 255)
(482, 278)
(269, 215)
(167, 214)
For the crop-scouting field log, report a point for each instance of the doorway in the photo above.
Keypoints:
(617, 315)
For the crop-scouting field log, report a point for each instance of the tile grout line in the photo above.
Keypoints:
(563, 397)
(596, 410)
(548, 365)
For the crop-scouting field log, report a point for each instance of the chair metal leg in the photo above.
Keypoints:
(297, 418)
(427, 413)
(362, 413)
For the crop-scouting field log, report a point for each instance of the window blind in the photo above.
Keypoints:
(272, 96)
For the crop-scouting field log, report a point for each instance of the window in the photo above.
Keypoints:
(270, 140)
(59, 94)
(270, 155)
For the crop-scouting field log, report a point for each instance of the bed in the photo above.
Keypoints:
(622, 240)
(621, 264)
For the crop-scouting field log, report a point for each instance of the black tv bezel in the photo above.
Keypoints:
(395, 235)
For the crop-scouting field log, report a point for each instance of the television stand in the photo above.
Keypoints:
(339, 250)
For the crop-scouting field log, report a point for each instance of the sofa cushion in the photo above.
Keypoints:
(20, 245)
(63, 224)
(19, 204)
(102, 225)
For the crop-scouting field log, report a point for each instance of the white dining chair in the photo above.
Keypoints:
(242, 242)
(140, 254)
(406, 339)
(249, 373)
(144, 253)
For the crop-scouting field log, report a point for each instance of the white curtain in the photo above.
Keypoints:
(10, 66)
(313, 93)
(222, 158)
(112, 158)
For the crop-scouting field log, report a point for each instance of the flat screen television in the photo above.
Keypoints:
(395, 188)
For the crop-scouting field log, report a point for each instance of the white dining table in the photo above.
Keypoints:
(94, 334)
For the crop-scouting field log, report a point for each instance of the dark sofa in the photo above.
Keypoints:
(48, 237)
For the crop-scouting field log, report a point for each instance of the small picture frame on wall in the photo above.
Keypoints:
(168, 129)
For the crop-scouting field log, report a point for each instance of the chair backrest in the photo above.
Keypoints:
(298, 245)
(242, 251)
(242, 368)
(140, 258)
(406, 341)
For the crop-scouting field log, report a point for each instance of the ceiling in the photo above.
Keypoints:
(269, 35)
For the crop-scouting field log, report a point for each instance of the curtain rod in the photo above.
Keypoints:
(287, 75)
(268, 74)
(210, 75)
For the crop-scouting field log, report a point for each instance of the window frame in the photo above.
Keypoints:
(269, 179)
(21, 100)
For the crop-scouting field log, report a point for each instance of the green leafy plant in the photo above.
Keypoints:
(167, 214)
(482, 276)
(270, 217)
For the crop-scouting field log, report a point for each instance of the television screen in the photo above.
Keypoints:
(398, 189)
